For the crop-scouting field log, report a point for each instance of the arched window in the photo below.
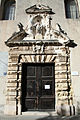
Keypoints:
(71, 9)
(9, 10)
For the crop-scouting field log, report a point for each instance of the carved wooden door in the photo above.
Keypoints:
(38, 86)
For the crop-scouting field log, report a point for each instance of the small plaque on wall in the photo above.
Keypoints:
(74, 73)
(3, 63)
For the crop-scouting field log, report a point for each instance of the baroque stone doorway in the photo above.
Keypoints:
(39, 42)
(38, 86)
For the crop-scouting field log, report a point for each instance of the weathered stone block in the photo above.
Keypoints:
(63, 110)
(10, 109)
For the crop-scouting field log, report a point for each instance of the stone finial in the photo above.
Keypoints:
(20, 25)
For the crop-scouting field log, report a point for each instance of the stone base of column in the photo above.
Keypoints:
(10, 110)
(65, 110)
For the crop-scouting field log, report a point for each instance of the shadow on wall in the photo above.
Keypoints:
(1, 109)
(50, 117)
(78, 107)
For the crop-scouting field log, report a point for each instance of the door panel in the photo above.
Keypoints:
(30, 104)
(31, 88)
(31, 71)
(47, 71)
(38, 86)
(47, 103)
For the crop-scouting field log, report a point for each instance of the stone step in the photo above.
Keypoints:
(40, 113)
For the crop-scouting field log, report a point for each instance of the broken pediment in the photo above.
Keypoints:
(21, 39)
(39, 8)
(39, 29)
(16, 37)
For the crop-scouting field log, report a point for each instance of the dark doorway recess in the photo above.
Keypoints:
(38, 86)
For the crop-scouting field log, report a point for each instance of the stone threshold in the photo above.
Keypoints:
(48, 113)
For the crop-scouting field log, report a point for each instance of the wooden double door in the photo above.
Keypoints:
(38, 86)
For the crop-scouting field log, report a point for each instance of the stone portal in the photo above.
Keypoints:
(44, 50)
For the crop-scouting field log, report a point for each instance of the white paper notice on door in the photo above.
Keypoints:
(47, 87)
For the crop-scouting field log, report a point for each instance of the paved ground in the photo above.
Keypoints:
(29, 118)
(37, 117)
(32, 117)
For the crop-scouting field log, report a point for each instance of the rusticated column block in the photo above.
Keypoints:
(10, 108)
